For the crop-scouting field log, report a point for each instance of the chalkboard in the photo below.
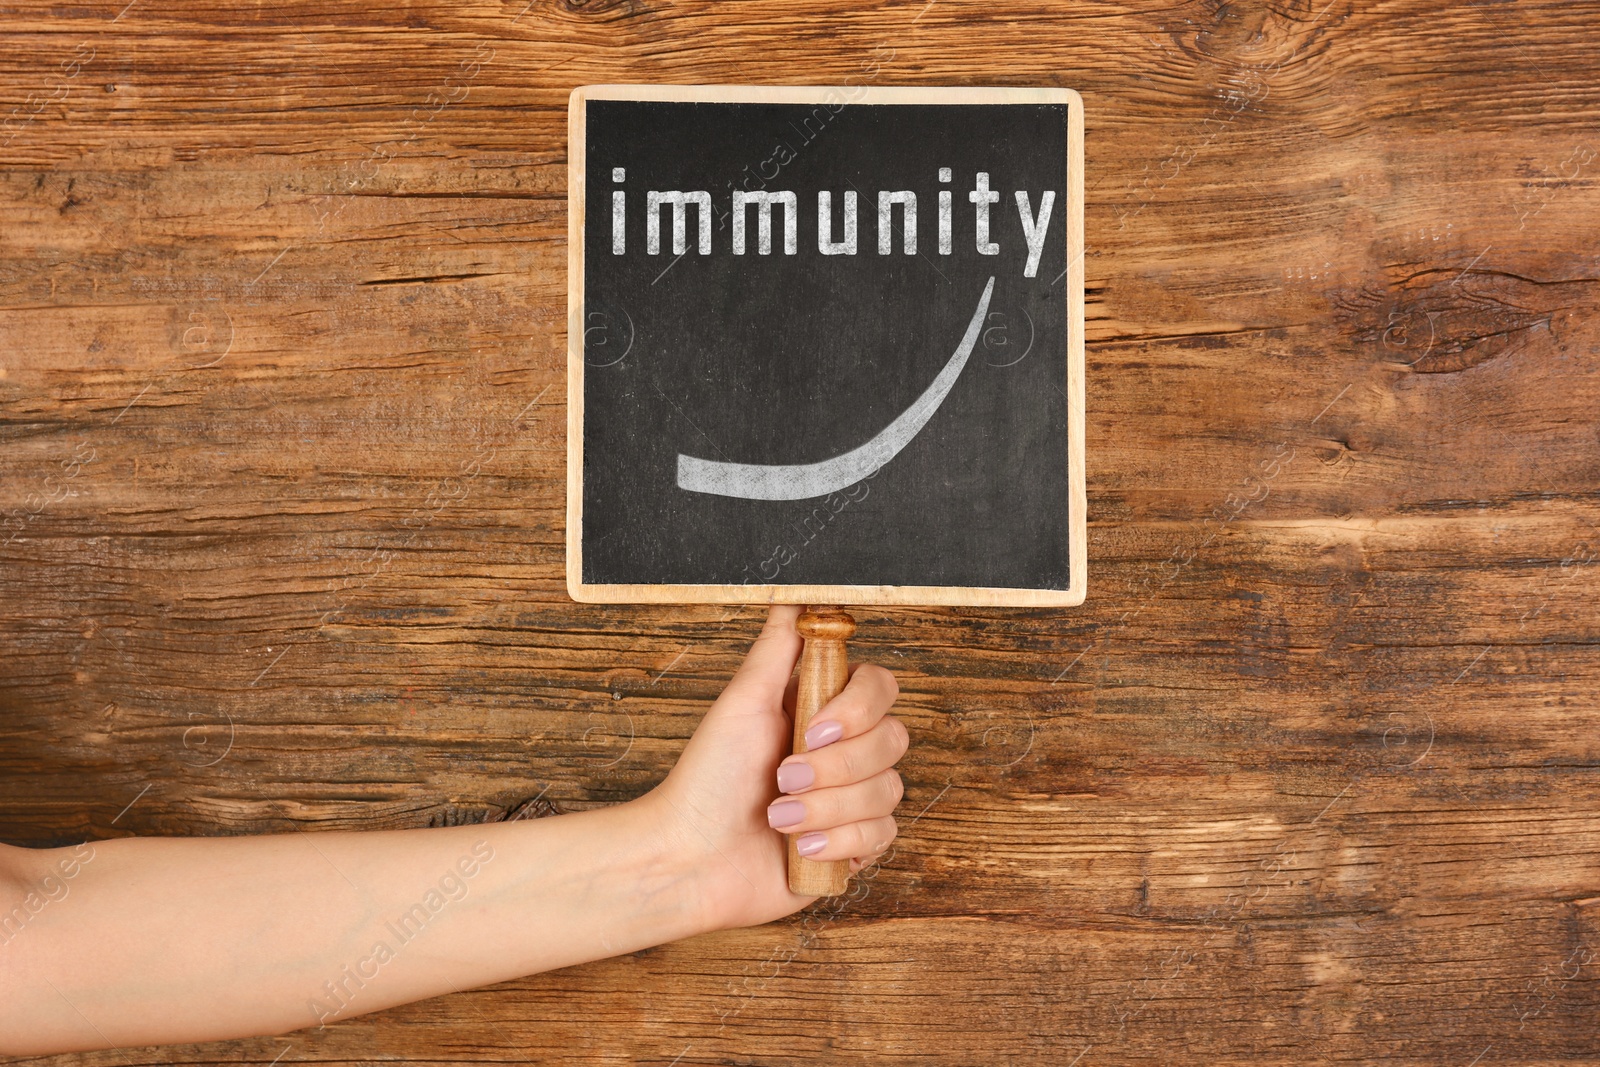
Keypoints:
(825, 345)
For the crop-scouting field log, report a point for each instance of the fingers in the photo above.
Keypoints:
(853, 759)
(861, 863)
(864, 839)
(843, 789)
(770, 662)
(866, 697)
(824, 808)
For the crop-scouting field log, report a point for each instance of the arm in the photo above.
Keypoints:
(160, 940)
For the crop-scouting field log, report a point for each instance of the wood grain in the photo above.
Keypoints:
(821, 674)
(1310, 777)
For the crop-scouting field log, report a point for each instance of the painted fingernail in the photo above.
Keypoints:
(810, 844)
(824, 733)
(785, 813)
(792, 776)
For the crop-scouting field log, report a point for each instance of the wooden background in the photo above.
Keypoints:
(1313, 776)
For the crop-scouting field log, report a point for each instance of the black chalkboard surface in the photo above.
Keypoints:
(826, 345)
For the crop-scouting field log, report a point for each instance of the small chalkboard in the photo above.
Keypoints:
(825, 345)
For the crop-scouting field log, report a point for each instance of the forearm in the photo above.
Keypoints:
(165, 940)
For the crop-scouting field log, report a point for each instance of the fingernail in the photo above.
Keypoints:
(810, 844)
(824, 733)
(792, 776)
(785, 813)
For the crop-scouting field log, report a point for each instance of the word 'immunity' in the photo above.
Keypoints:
(1035, 223)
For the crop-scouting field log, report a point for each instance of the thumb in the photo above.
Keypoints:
(770, 662)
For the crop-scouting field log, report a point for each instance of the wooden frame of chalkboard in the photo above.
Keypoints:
(1073, 497)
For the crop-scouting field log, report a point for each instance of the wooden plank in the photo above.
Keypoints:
(1310, 776)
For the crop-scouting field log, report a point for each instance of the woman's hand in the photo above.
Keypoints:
(733, 789)
(159, 940)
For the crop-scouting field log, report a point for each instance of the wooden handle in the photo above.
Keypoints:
(824, 668)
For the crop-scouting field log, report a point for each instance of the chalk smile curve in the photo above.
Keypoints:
(802, 481)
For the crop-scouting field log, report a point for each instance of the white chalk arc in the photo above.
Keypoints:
(802, 481)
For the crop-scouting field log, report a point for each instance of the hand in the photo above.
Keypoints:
(838, 797)
(196, 939)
